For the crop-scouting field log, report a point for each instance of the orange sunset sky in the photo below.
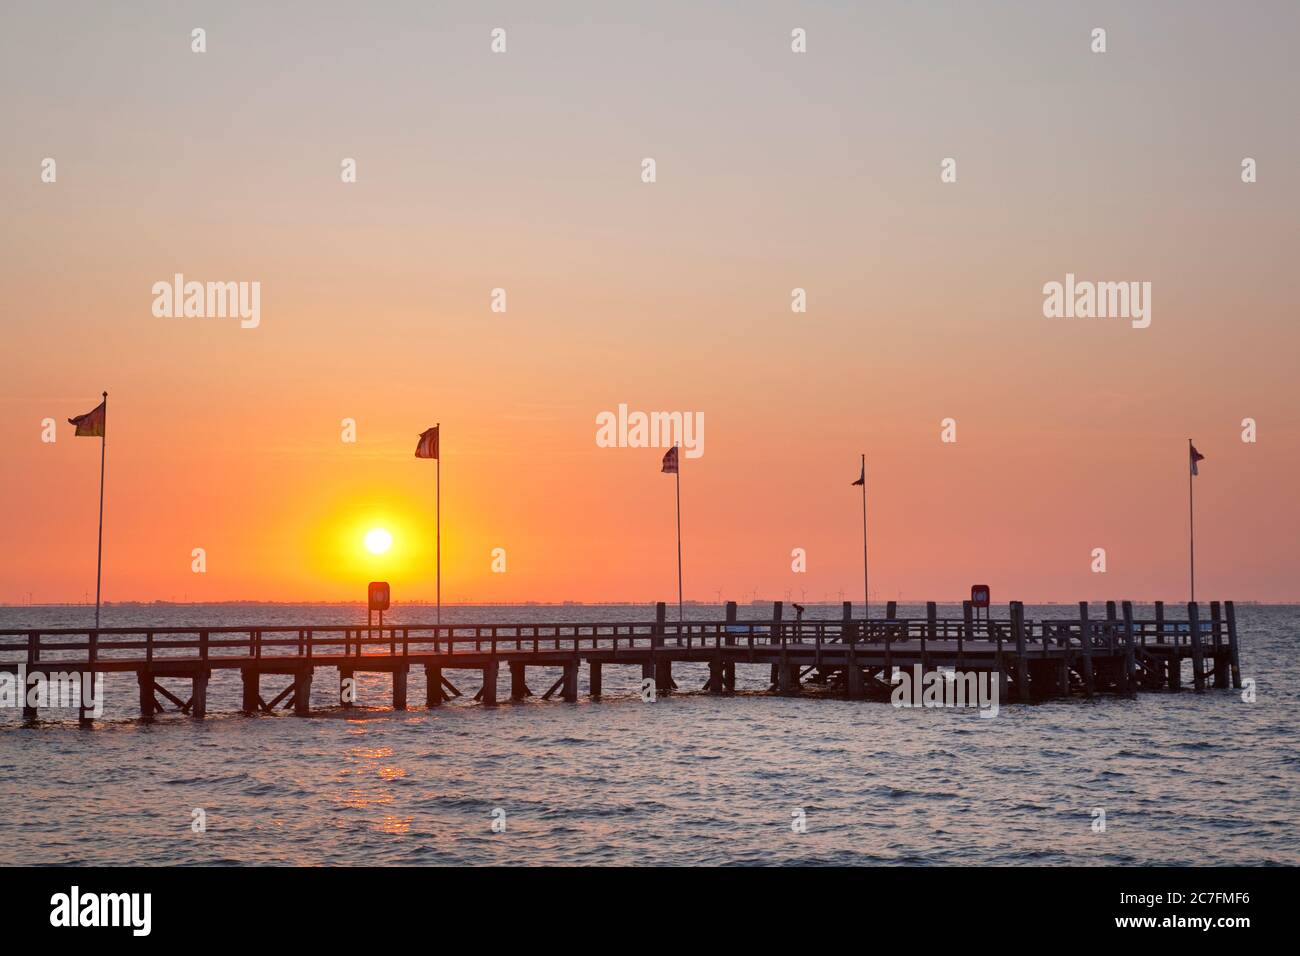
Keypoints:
(775, 170)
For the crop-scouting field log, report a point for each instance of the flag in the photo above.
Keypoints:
(91, 423)
(670, 461)
(428, 445)
(1195, 455)
(862, 478)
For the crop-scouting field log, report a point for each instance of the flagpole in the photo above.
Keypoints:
(437, 511)
(680, 616)
(1191, 524)
(99, 557)
(866, 593)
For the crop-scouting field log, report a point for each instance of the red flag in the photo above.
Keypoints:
(91, 423)
(428, 444)
(670, 461)
(1196, 456)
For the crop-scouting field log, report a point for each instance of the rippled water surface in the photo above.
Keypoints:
(1183, 779)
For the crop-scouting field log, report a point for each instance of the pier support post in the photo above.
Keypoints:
(887, 673)
(788, 676)
(853, 675)
(1198, 654)
(1235, 661)
(1160, 622)
(787, 679)
(664, 677)
(433, 693)
(518, 685)
(399, 688)
(1022, 663)
(490, 683)
(716, 681)
(33, 661)
(569, 691)
(84, 716)
(729, 667)
(1130, 657)
(891, 610)
(661, 670)
(777, 640)
(347, 687)
(594, 670)
(931, 632)
(1220, 654)
(1112, 668)
(147, 703)
(199, 695)
(1174, 667)
(252, 691)
(1085, 640)
(33, 657)
(967, 629)
(302, 691)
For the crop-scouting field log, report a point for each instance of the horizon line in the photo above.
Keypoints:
(573, 603)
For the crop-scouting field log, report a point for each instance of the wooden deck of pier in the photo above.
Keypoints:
(1035, 659)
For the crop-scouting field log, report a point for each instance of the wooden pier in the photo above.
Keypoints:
(854, 658)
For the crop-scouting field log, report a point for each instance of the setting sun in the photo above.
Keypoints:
(378, 540)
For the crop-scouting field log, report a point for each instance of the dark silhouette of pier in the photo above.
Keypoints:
(855, 658)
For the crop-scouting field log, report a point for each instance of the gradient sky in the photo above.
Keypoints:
(775, 171)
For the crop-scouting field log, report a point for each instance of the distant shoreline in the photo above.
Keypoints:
(759, 603)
